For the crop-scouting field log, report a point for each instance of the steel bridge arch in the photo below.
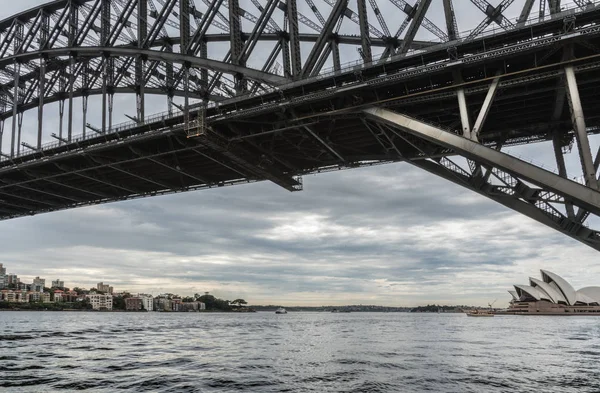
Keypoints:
(67, 49)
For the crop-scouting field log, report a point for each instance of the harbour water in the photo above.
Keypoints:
(296, 352)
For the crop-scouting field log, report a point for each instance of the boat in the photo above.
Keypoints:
(281, 310)
(483, 313)
(479, 313)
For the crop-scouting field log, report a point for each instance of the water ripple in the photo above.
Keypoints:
(297, 352)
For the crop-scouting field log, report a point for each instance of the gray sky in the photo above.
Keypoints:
(387, 235)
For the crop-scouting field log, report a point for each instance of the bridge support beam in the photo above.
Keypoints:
(485, 108)
(514, 175)
(464, 113)
(583, 144)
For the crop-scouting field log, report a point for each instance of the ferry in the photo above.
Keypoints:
(281, 310)
(479, 313)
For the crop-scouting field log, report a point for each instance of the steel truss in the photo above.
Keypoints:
(519, 185)
(244, 103)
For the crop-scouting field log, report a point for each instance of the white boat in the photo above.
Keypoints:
(281, 310)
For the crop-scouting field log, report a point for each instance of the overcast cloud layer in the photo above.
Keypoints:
(387, 235)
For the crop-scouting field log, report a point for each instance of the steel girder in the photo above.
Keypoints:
(71, 49)
(519, 185)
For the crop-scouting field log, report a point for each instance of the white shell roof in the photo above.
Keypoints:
(565, 288)
(513, 294)
(555, 296)
(591, 292)
(534, 293)
(581, 298)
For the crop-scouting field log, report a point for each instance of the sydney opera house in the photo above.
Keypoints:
(553, 295)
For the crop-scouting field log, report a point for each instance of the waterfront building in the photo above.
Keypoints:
(46, 297)
(4, 295)
(553, 295)
(58, 283)
(162, 304)
(59, 296)
(104, 288)
(191, 306)
(147, 302)
(3, 278)
(133, 304)
(35, 296)
(12, 280)
(18, 296)
(100, 302)
(22, 296)
(38, 285)
(176, 304)
(70, 296)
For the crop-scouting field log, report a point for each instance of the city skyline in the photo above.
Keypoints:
(388, 235)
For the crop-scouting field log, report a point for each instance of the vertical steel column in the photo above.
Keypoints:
(84, 97)
(170, 78)
(73, 22)
(542, 9)
(61, 112)
(17, 41)
(1, 136)
(204, 71)
(84, 105)
(184, 25)
(451, 25)
(365, 40)
(554, 7)
(44, 30)
(464, 113)
(104, 93)
(184, 29)
(142, 34)
(287, 65)
(335, 54)
(20, 129)
(44, 34)
(235, 38)
(111, 101)
(17, 67)
(41, 93)
(578, 120)
(296, 59)
(104, 36)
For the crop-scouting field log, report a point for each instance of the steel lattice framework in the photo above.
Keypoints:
(256, 90)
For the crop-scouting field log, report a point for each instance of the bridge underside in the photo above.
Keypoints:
(467, 100)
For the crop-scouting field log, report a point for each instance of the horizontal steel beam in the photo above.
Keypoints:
(168, 57)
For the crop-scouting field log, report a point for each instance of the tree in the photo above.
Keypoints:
(119, 303)
(239, 302)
